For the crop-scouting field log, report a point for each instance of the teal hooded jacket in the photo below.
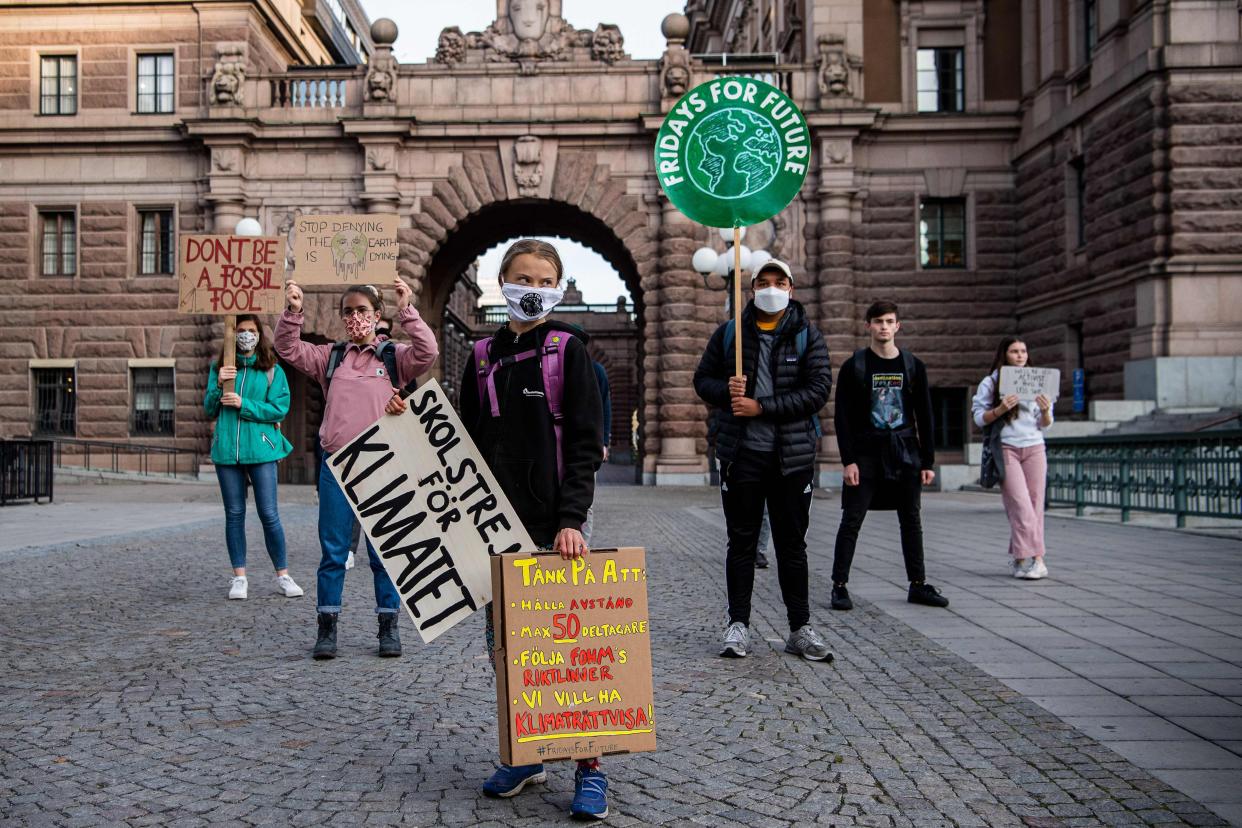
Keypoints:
(250, 434)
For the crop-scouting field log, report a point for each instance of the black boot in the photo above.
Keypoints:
(389, 638)
(325, 644)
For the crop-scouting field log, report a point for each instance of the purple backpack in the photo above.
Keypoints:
(551, 365)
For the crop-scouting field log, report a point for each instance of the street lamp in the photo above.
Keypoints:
(707, 261)
(248, 227)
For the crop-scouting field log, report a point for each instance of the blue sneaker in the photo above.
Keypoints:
(509, 780)
(590, 794)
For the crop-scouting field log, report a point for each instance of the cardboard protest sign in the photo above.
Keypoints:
(431, 507)
(228, 275)
(1029, 383)
(344, 249)
(573, 655)
(732, 152)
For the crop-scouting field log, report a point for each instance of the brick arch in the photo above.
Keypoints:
(470, 210)
(586, 202)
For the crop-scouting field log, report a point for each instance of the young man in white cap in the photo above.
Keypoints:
(767, 432)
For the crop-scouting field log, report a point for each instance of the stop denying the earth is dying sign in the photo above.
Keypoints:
(732, 152)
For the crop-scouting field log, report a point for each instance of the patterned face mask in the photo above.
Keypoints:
(530, 304)
(359, 326)
(246, 340)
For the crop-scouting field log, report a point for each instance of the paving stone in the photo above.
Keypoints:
(149, 699)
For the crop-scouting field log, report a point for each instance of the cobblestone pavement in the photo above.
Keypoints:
(135, 693)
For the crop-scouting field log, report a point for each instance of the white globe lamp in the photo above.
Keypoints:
(704, 260)
(248, 227)
(726, 233)
(758, 259)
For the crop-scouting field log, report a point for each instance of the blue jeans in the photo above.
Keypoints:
(336, 530)
(233, 479)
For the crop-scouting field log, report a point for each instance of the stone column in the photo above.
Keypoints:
(679, 462)
(837, 314)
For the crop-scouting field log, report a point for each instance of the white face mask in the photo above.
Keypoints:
(246, 340)
(772, 299)
(530, 304)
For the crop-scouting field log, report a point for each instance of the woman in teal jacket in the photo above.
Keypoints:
(246, 445)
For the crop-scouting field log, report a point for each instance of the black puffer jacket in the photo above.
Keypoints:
(520, 444)
(801, 387)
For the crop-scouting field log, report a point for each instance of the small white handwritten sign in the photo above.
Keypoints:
(1029, 383)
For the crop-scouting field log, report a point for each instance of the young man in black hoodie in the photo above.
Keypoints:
(884, 431)
(549, 481)
(766, 436)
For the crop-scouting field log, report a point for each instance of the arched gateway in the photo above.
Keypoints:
(502, 134)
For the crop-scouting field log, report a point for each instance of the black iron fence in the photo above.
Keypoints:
(25, 470)
(1186, 475)
(131, 458)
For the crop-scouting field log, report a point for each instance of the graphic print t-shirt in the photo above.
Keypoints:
(888, 379)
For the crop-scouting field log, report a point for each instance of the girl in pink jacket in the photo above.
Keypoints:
(356, 396)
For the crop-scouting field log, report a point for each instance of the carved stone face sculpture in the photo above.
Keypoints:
(677, 80)
(528, 18)
(836, 73)
(225, 84)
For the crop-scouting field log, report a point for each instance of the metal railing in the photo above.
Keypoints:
(25, 470)
(1187, 475)
(126, 458)
(499, 314)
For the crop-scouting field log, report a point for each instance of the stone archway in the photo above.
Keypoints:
(464, 217)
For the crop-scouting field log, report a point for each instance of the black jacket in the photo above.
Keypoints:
(859, 442)
(520, 444)
(801, 387)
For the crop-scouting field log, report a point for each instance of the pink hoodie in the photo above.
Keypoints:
(359, 390)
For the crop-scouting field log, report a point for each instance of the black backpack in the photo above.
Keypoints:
(385, 350)
(859, 360)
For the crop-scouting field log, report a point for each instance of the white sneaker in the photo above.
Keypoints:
(286, 585)
(736, 637)
(349, 562)
(237, 589)
(1022, 568)
(1038, 570)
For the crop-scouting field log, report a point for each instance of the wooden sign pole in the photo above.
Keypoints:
(230, 349)
(737, 301)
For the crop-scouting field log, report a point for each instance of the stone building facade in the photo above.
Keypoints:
(1058, 168)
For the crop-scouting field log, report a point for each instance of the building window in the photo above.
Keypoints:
(58, 243)
(155, 83)
(1078, 168)
(154, 402)
(949, 418)
(155, 244)
(1090, 31)
(941, 80)
(942, 232)
(55, 409)
(58, 85)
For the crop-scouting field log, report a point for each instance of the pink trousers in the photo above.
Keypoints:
(1026, 470)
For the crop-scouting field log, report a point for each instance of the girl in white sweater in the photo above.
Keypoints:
(1026, 466)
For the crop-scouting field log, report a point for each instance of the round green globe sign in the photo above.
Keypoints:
(732, 152)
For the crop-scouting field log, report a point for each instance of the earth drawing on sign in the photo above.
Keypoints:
(733, 153)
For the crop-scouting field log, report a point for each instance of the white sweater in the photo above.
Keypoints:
(1022, 431)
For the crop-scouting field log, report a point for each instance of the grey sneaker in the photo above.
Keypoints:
(736, 637)
(805, 642)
